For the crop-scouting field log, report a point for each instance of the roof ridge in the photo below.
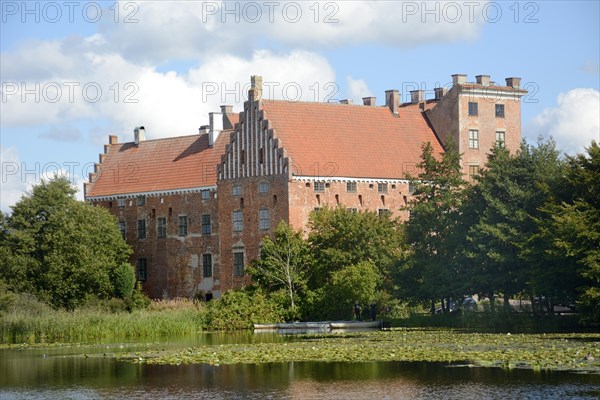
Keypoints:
(174, 137)
(329, 103)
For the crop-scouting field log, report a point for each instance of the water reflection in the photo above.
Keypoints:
(61, 373)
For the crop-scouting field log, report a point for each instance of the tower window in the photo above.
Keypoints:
(473, 108)
(500, 110)
(473, 172)
(500, 139)
(473, 139)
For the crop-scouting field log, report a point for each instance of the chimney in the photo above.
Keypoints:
(204, 129)
(369, 101)
(139, 135)
(255, 92)
(216, 126)
(392, 100)
(459, 79)
(346, 101)
(513, 82)
(483, 80)
(440, 92)
(417, 96)
(226, 109)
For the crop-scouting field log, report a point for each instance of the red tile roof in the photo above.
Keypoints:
(325, 139)
(155, 165)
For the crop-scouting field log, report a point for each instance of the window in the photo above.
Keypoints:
(161, 227)
(238, 263)
(263, 187)
(350, 186)
(206, 265)
(141, 200)
(183, 225)
(264, 219)
(411, 187)
(141, 228)
(473, 172)
(205, 194)
(206, 228)
(122, 228)
(500, 139)
(319, 186)
(317, 209)
(382, 187)
(500, 110)
(473, 108)
(236, 190)
(383, 212)
(142, 272)
(353, 210)
(238, 221)
(121, 202)
(473, 139)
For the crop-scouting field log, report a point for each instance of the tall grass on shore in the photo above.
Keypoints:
(36, 322)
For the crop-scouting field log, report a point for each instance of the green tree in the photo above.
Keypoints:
(570, 233)
(284, 263)
(354, 283)
(510, 191)
(339, 238)
(433, 229)
(60, 249)
(124, 281)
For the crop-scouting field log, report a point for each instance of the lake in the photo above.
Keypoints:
(90, 372)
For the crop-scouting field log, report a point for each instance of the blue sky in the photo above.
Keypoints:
(74, 72)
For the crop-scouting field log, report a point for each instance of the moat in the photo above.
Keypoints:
(89, 372)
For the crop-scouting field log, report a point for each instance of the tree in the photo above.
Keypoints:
(284, 263)
(433, 229)
(570, 234)
(354, 283)
(60, 249)
(510, 191)
(339, 238)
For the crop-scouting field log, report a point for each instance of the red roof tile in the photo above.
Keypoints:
(324, 139)
(155, 165)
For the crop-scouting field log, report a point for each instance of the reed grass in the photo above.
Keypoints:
(162, 318)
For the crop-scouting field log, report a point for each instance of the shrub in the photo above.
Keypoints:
(240, 309)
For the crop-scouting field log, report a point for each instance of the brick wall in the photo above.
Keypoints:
(174, 262)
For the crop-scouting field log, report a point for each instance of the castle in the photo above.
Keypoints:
(196, 208)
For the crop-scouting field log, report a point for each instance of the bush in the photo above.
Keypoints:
(138, 300)
(240, 309)
(124, 281)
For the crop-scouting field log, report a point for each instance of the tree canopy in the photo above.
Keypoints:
(62, 250)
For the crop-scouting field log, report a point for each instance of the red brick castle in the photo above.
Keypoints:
(196, 208)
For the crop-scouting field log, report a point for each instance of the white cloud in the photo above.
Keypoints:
(357, 89)
(19, 177)
(573, 123)
(107, 86)
(14, 182)
(202, 29)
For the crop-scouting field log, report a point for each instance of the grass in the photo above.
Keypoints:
(43, 324)
(567, 352)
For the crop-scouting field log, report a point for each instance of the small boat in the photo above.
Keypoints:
(318, 326)
(355, 324)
